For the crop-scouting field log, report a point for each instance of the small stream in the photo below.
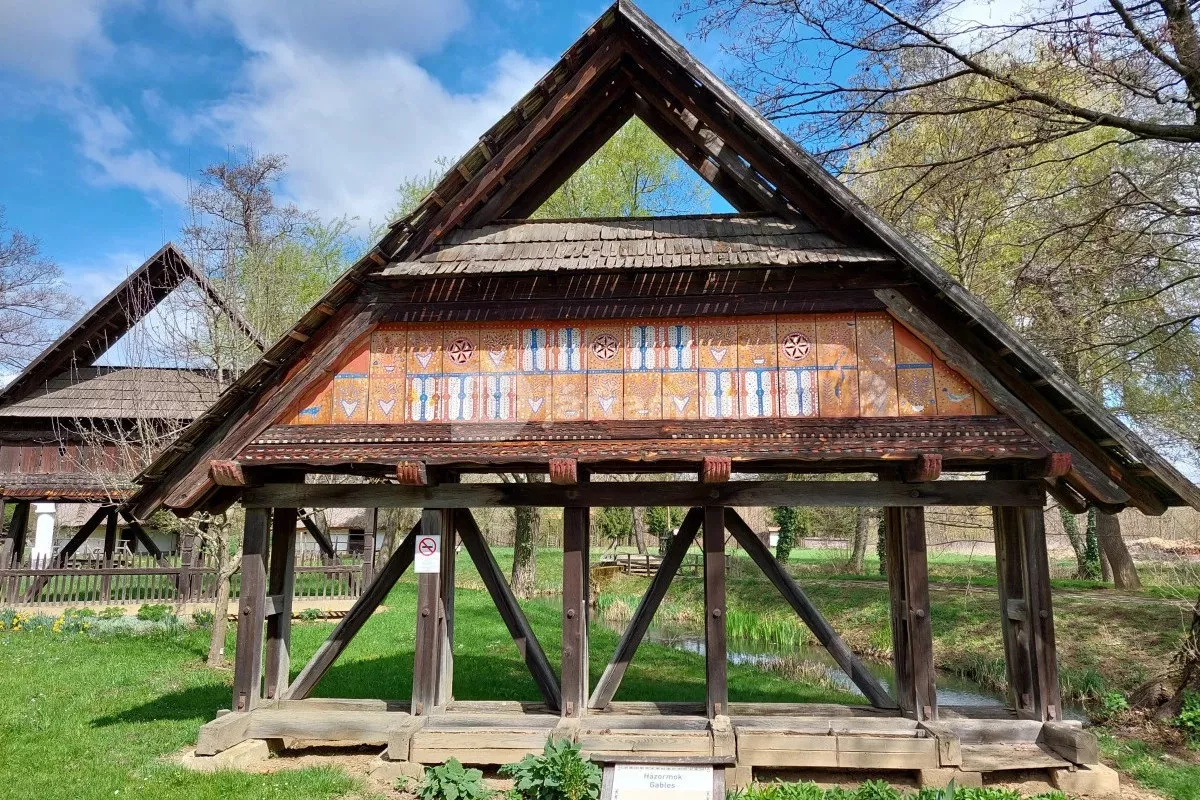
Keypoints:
(952, 690)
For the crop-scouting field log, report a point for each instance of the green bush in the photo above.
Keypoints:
(451, 781)
(311, 614)
(1189, 716)
(154, 612)
(1111, 705)
(559, 773)
(203, 618)
(112, 612)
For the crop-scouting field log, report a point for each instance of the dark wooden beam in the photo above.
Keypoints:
(576, 571)
(280, 583)
(247, 663)
(349, 625)
(445, 668)
(735, 493)
(925, 467)
(314, 530)
(715, 655)
(610, 681)
(826, 635)
(18, 530)
(912, 632)
(510, 610)
(427, 661)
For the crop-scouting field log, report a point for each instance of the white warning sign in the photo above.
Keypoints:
(650, 782)
(428, 557)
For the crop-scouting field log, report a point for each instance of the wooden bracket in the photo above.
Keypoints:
(716, 469)
(564, 471)
(1055, 465)
(227, 473)
(412, 473)
(926, 467)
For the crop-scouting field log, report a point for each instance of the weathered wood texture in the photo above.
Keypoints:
(247, 664)
(427, 661)
(349, 626)
(826, 635)
(912, 631)
(510, 610)
(445, 677)
(280, 583)
(1027, 614)
(715, 655)
(576, 571)
(736, 493)
(639, 623)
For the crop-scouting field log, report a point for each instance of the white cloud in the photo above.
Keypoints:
(108, 142)
(47, 38)
(354, 127)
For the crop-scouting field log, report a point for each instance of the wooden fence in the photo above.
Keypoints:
(142, 578)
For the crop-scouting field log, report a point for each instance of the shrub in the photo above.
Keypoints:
(203, 618)
(112, 612)
(1189, 716)
(450, 781)
(311, 614)
(559, 773)
(154, 612)
(1112, 704)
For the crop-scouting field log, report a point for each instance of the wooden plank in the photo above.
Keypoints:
(477, 757)
(754, 740)
(576, 547)
(1071, 742)
(247, 665)
(445, 679)
(877, 760)
(1040, 609)
(737, 493)
(826, 635)
(787, 758)
(491, 738)
(510, 610)
(1003, 757)
(428, 657)
(18, 530)
(948, 743)
(345, 727)
(610, 681)
(399, 744)
(317, 534)
(280, 584)
(715, 654)
(349, 625)
(912, 632)
(223, 733)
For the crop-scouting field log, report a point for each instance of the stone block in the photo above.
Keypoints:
(1094, 780)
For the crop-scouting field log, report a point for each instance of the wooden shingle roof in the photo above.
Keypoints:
(638, 243)
(120, 393)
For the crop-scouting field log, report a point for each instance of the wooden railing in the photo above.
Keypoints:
(142, 578)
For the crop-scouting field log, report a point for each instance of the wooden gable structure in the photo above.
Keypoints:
(62, 420)
(800, 334)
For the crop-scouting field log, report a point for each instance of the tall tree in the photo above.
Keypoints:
(33, 296)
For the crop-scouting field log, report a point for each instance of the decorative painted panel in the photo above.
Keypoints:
(812, 365)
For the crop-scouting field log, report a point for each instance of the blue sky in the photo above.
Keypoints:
(112, 106)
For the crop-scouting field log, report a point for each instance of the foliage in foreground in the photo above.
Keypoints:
(559, 773)
(878, 790)
(452, 781)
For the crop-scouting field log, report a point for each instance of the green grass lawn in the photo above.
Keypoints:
(91, 717)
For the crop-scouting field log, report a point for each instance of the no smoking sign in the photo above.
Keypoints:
(428, 556)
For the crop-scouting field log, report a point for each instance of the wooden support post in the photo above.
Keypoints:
(188, 556)
(1040, 608)
(576, 546)
(445, 682)
(912, 632)
(281, 584)
(717, 694)
(826, 635)
(16, 549)
(427, 660)
(510, 611)
(610, 681)
(344, 632)
(247, 664)
(369, 540)
(110, 546)
(317, 534)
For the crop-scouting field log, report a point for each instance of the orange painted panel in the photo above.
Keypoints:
(643, 395)
(604, 348)
(837, 361)
(460, 350)
(716, 345)
(606, 393)
(914, 374)
(349, 399)
(955, 396)
(499, 346)
(570, 397)
(757, 344)
(315, 407)
(680, 395)
(757, 395)
(876, 366)
(386, 400)
(982, 406)
(425, 350)
(533, 397)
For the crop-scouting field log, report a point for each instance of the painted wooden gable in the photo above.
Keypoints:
(816, 365)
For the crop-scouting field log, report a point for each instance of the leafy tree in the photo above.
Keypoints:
(32, 297)
(788, 520)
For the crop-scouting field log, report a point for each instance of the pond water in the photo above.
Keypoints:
(951, 689)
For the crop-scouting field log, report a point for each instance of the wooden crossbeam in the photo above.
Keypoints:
(510, 611)
(826, 635)
(349, 625)
(610, 681)
(314, 530)
(1013, 493)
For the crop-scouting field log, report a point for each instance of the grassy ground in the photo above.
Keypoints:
(84, 717)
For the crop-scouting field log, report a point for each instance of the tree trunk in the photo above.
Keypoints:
(1108, 531)
(527, 524)
(862, 530)
(216, 645)
(1071, 528)
(638, 514)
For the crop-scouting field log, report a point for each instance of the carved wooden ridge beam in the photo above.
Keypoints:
(926, 467)
(1016, 493)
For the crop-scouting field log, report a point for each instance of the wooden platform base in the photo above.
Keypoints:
(753, 736)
